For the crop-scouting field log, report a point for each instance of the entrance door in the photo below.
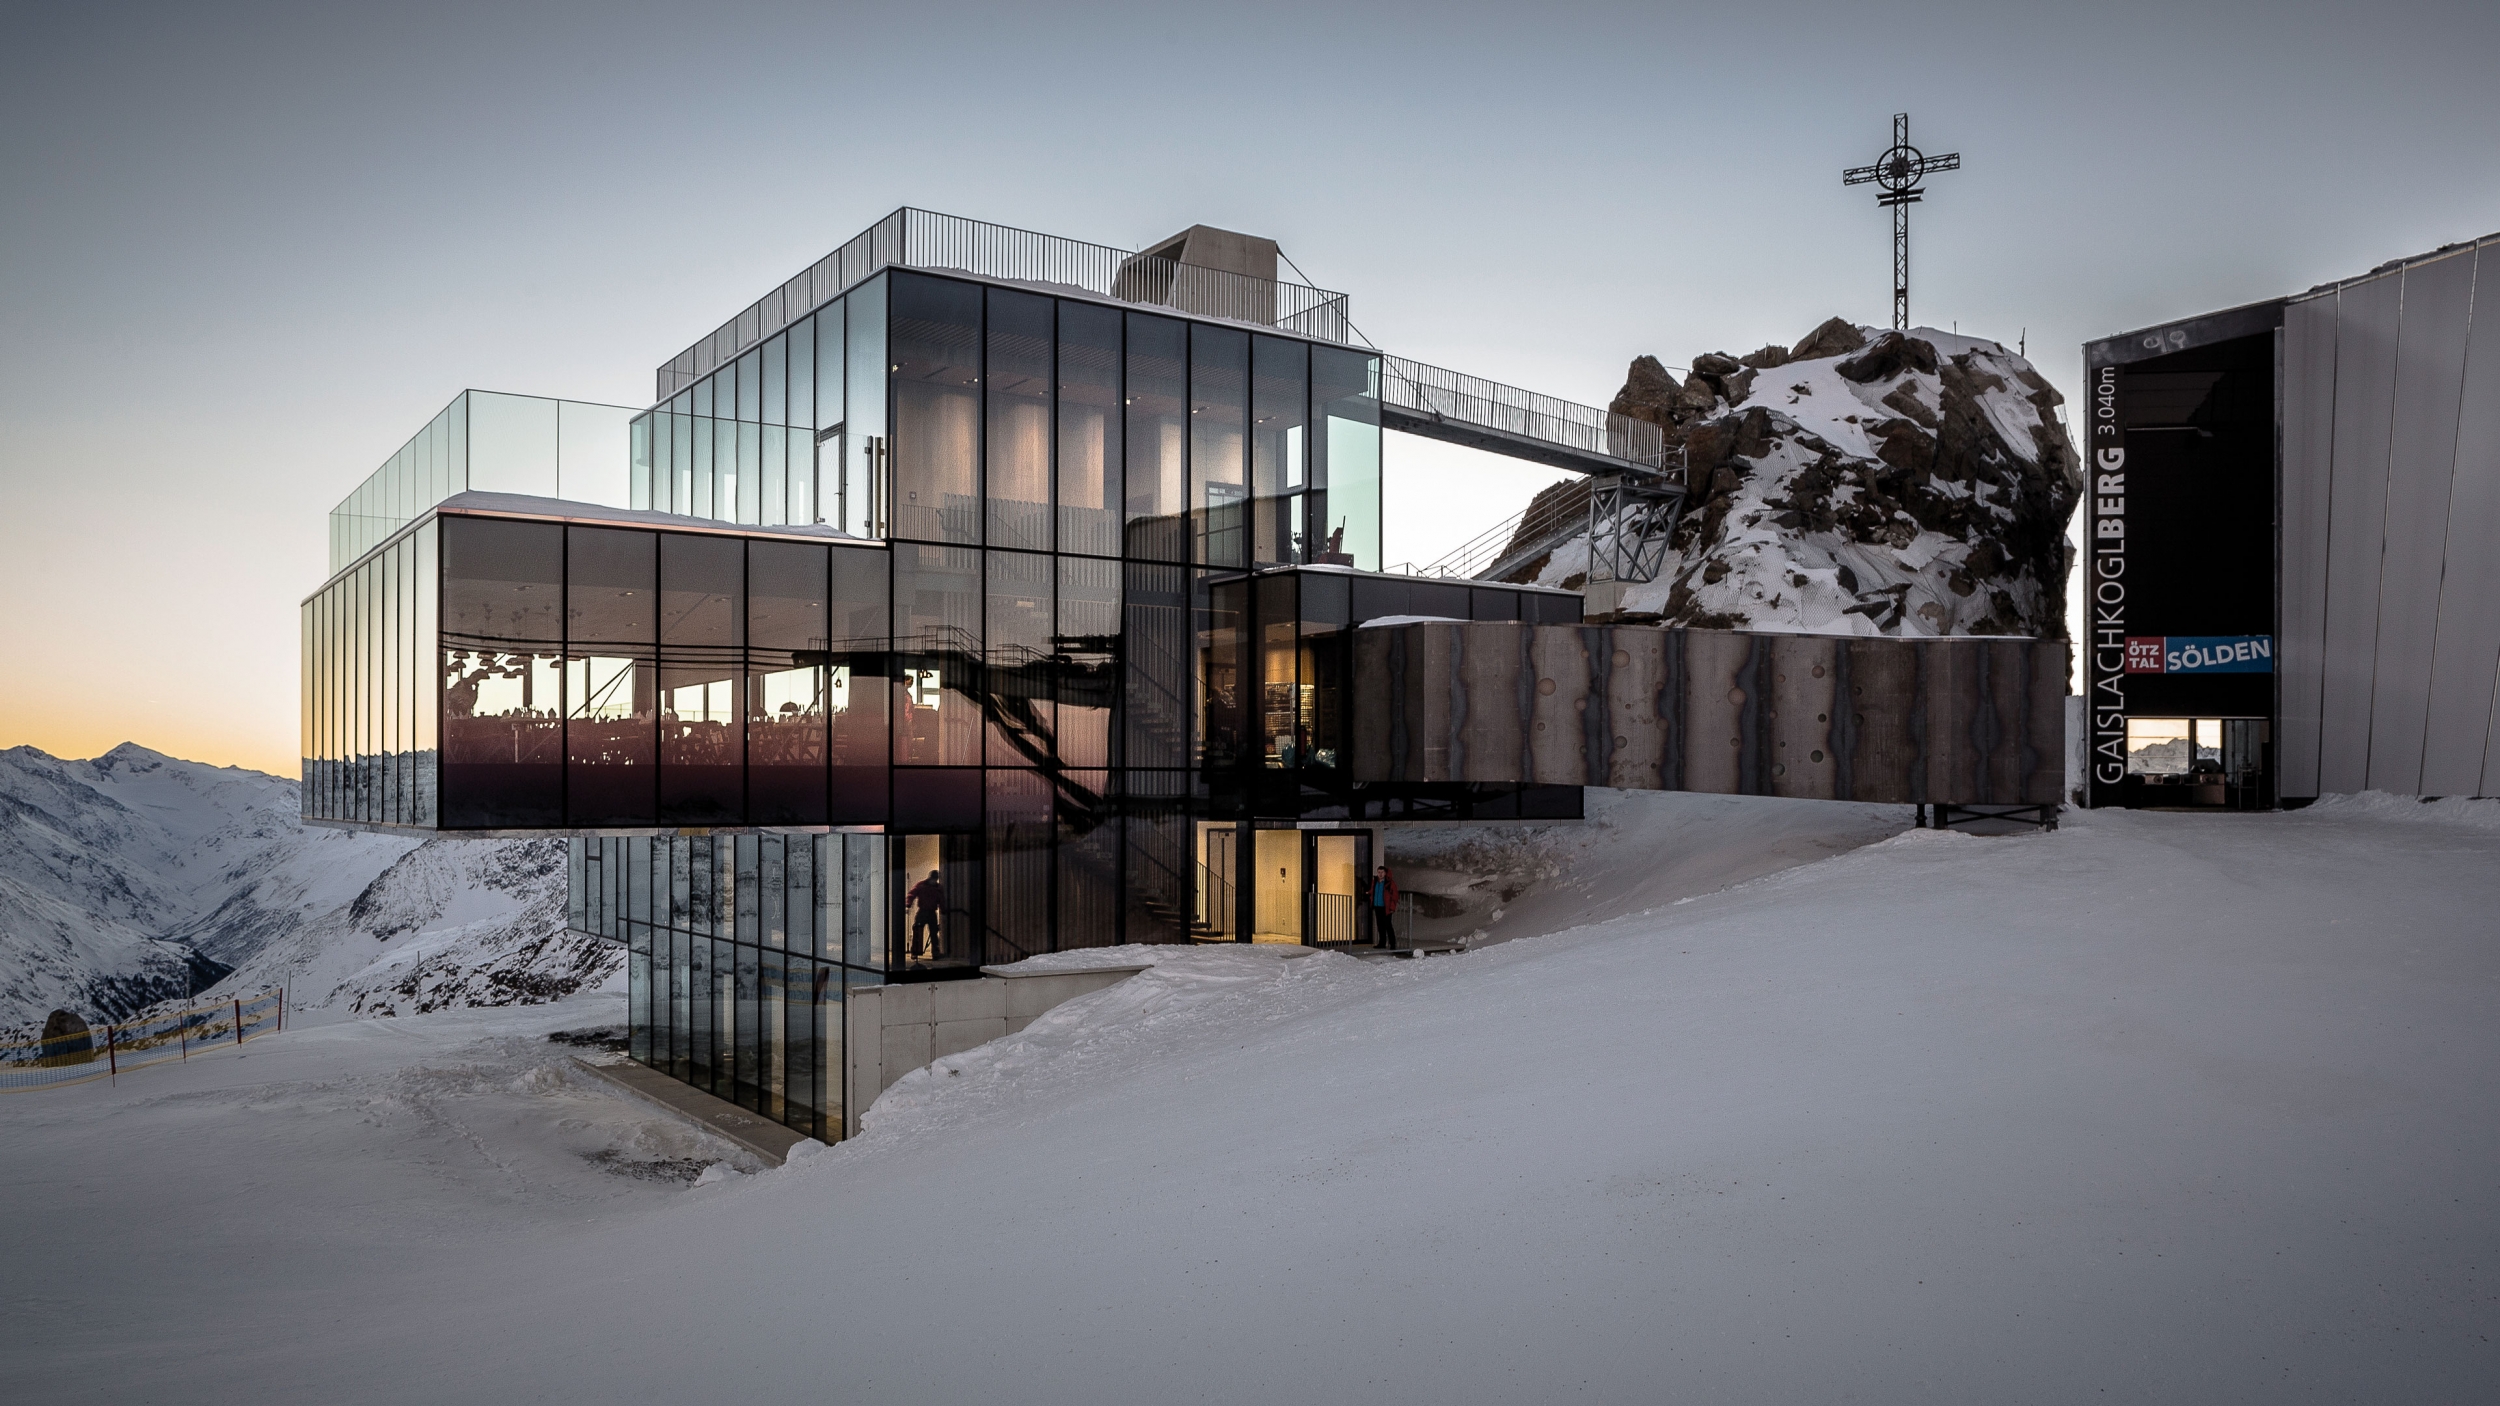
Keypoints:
(1338, 867)
(1278, 882)
(2245, 774)
(939, 886)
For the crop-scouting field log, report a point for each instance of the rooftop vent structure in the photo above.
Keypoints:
(1203, 270)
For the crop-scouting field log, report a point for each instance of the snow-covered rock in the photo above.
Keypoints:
(1861, 482)
(135, 878)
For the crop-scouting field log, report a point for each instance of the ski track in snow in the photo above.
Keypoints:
(2178, 1107)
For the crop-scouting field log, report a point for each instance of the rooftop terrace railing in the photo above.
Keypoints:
(924, 239)
(1473, 400)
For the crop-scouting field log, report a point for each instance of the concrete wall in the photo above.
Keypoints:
(1956, 720)
(889, 1031)
(2390, 557)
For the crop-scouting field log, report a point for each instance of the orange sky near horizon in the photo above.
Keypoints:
(244, 742)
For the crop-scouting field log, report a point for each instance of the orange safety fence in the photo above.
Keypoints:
(151, 1038)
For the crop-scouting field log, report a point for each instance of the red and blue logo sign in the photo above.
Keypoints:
(2200, 654)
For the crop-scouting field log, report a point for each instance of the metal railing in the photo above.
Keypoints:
(1335, 919)
(1473, 400)
(155, 1037)
(1535, 529)
(925, 239)
(1215, 903)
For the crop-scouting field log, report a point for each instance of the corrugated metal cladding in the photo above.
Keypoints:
(1959, 721)
(2391, 531)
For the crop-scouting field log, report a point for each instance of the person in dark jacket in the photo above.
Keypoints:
(928, 904)
(1384, 907)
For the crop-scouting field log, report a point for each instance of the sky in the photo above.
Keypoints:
(247, 250)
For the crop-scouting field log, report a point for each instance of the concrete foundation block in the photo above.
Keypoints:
(956, 1036)
(909, 1004)
(981, 999)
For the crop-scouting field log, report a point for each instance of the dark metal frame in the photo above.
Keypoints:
(1945, 817)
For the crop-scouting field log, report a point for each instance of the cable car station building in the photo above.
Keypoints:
(2293, 549)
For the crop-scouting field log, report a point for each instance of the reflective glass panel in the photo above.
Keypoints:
(1088, 644)
(1088, 860)
(1345, 516)
(611, 684)
(1157, 663)
(937, 408)
(1022, 728)
(751, 384)
(1225, 726)
(1089, 429)
(1219, 396)
(801, 411)
(937, 653)
(1280, 388)
(867, 487)
(702, 674)
(502, 674)
(828, 366)
(775, 409)
(857, 688)
(788, 709)
(1017, 381)
(1017, 864)
(1157, 449)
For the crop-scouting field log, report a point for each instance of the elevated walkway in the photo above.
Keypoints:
(1456, 408)
(1635, 493)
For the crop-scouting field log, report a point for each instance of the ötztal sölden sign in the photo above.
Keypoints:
(2200, 654)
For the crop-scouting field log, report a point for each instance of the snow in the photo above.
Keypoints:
(118, 874)
(2172, 1106)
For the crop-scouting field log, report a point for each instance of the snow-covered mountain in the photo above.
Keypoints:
(1860, 482)
(135, 878)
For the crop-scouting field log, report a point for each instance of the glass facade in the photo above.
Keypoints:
(1031, 423)
(739, 949)
(1000, 603)
(489, 442)
(371, 705)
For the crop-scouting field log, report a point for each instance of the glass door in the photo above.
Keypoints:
(1337, 866)
(939, 884)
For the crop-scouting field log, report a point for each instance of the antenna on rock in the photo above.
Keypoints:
(1898, 171)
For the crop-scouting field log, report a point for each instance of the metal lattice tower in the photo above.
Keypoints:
(1898, 171)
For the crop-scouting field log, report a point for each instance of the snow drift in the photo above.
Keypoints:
(2166, 1107)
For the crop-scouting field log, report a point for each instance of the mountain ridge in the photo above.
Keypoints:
(134, 878)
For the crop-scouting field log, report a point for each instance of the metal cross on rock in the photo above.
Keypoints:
(1898, 171)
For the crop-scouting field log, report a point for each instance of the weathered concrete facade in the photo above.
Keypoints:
(1953, 720)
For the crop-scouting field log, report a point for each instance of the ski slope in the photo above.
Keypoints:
(2167, 1107)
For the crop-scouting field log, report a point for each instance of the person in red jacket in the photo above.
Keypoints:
(927, 900)
(1384, 909)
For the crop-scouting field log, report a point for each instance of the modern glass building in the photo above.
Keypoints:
(972, 596)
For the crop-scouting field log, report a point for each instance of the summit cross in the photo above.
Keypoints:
(1898, 171)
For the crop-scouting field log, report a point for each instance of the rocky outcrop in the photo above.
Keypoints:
(1861, 481)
